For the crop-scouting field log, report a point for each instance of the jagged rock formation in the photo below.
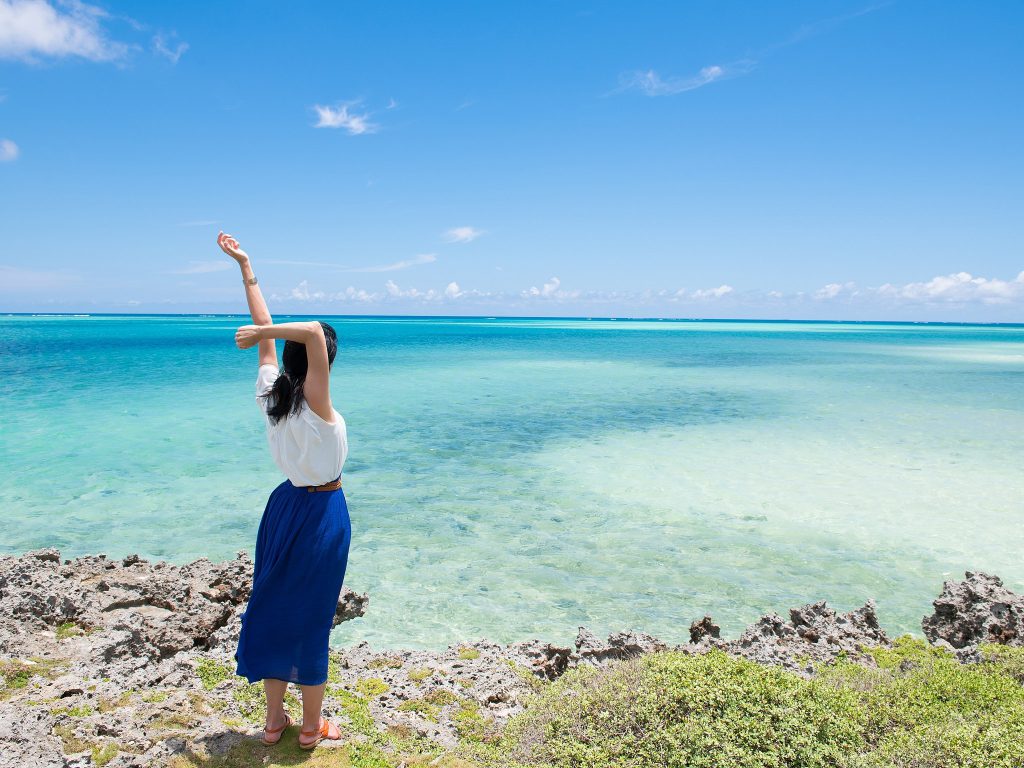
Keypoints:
(977, 610)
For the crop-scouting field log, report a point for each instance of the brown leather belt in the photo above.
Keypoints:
(331, 486)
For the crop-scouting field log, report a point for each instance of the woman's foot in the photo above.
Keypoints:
(327, 730)
(273, 731)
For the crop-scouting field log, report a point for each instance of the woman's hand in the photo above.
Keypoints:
(247, 336)
(230, 246)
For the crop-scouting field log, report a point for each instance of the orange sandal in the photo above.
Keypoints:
(323, 732)
(272, 731)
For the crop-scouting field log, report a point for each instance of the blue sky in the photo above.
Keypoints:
(715, 159)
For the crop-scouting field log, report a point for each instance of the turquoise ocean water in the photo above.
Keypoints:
(518, 478)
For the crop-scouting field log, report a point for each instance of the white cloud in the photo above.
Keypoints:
(340, 117)
(391, 104)
(960, 287)
(8, 151)
(31, 28)
(172, 51)
(712, 293)
(423, 258)
(302, 293)
(462, 234)
(549, 290)
(652, 84)
(832, 290)
(204, 267)
(452, 290)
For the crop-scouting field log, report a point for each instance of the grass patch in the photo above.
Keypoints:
(441, 697)
(524, 674)
(421, 707)
(108, 705)
(386, 662)
(211, 672)
(333, 669)
(80, 710)
(419, 674)
(155, 697)
(68, 629)
(71, 742)
(469, 653)
(101, 755)
(17, 673)
(470, 724)
(371, 687)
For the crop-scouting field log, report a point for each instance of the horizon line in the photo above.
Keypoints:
(616, 318)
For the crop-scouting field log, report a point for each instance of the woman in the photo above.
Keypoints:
(303, 539)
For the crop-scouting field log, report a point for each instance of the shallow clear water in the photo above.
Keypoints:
(518, 478)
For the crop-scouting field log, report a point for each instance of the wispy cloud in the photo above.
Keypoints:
(203, 267)
(462, 234)
(652, 84)
(8, 151)
(423, 258)
(35, 28)
(290, 263)
(340, 117)
(169, 47)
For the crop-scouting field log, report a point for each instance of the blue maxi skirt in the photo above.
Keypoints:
(298, 569)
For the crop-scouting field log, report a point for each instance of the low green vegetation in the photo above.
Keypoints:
(371, 687)
(68, 629)
(101, 755)
(470, 724)
(79, 710)
(468, 653)
(212, 672)
(71, 742)
(15, 674)
(388, 662)
(441, 697)
(674, 709)
(924, 709)
(419, 674)
(421, 707)
(919, 708)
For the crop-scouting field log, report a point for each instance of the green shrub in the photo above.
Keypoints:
(925, 709)
(692, 711)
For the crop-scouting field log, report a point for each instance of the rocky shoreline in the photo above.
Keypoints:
(130, 663)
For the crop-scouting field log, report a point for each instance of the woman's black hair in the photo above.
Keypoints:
(286, 394)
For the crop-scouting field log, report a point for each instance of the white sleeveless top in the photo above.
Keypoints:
(307, 449)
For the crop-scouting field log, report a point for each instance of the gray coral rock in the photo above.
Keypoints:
(977, 610)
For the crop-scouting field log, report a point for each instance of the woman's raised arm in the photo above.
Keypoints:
(317, 388)
(253, 295)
